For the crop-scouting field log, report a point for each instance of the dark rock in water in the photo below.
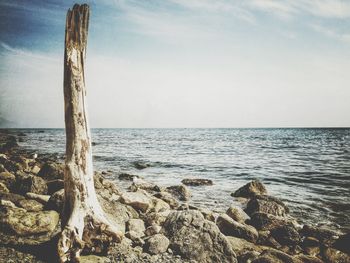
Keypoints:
(94, 143)
(198, 239)
(197, 182)
(141, 165)
(54, 185)
(263, 221)
(51, 171)
(266, 204)
(157, 244)
(33, 184)
(181, 192)
(343, 243)
(21, 134)
(237, 214)
(144, 185)
(127, 177)
(230, 227)
(56, 201)
(286, 235)
(250, 190)
(324, 235)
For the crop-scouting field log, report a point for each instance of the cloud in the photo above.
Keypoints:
(331, 33)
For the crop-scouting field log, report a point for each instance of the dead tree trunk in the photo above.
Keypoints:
(85, 226)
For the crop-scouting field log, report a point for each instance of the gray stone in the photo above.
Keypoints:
(157, 244)
(266, 204)
(250, 190)
(138, 200)
(237, 214)
(230, 227)
(181, 192)
(195, 238)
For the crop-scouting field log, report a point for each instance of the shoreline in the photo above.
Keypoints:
(150, 215)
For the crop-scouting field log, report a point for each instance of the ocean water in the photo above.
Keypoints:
(309, 169)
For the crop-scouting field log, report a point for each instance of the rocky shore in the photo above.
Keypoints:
(158, 223)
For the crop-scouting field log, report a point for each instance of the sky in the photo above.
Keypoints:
(182, 63)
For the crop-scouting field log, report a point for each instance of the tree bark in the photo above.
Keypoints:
(84, 225)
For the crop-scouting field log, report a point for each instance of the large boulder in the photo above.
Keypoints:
(266, 204)
(19, 227)
(241, 246)
(196, 238)
(275, 256)
(324, 235)
(30, 205)
(157, 244)
(181, 192)
(31, 183)
(230, 227)
(52, 170)
(250, 190)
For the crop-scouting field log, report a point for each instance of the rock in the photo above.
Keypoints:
(286, 235)
(266, 204)
(94, 259)
(137, 226)
(33, 184)
(343, 243)
(274, 256)
(311, 246)
(181, 192)
(51, 170)
(157, 244)
(25, 223)
(248, 256)
(8, 179)
(332, 255)
(35, 169)
(208, 215)
(168, 198)
(56, 201)
(7, 203)
(15, 256)
(138, 200)
(197, 182)
(158, 205)
(14, 198)
(2, 168)
(193, 237)
(3, 188)
(152, 230)
(250, 190)
(40, 198)
(237, 214)
(326, 236)
(157, 218)
(241, 246)
(141, 165)
(30, 205)
(127, 177)
(307, 259)
(54, 185)
(230, 227)
(263, 221)
(144, 185)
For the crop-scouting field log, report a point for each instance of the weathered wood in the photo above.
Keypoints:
(82, 218)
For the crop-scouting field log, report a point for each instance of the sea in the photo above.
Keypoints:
(308, 168)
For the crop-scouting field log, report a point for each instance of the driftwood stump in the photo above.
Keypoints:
(84, 225)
